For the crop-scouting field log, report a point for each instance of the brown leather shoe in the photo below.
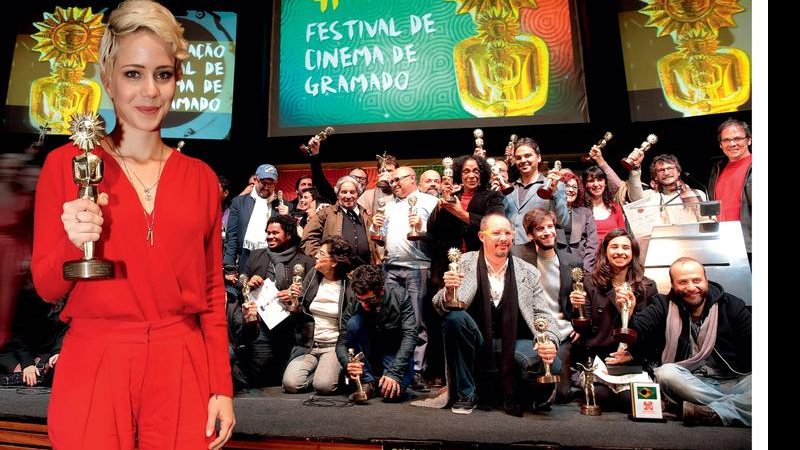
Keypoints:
(694, 414)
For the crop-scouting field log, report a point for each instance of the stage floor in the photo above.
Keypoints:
(269, 413)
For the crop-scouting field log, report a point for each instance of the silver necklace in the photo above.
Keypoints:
(148, 191)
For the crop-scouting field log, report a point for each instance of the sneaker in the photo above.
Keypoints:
(418, 383)
(694, 414)
(464, 405)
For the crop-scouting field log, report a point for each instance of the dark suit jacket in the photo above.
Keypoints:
(240, 211)
(582, 237)
(566, 262)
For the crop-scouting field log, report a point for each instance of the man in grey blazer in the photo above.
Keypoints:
(489, 310)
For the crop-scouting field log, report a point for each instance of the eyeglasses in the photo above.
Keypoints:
(321, 254)
(738, 140)
(359, 178)
(371, 300)
(397, 179)
(571, 187)
(666, 169)
(265, 181)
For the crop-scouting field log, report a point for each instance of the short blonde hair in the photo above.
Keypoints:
(141, 15)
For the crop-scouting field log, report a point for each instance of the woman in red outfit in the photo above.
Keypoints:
(599, 198)
(145, 361)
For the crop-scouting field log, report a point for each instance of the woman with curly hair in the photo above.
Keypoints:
(599, 198)
(579, 236)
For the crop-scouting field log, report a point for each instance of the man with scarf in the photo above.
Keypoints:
(265, 352)
(703, 335)
(489, 345)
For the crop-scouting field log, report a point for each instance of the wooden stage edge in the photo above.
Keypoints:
(20, 434)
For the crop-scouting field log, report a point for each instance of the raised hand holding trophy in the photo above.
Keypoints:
(453, 303)
(479, 150)
(244, 280)
(359, 396)
(589, 408)
(540, 324)
(413, 235)
(448, 187)
(627, 162)
(377, 235)
(587, 157)
(509, 153)
(87, 173)
(581, 321)
(624, 334)
(502, 184)
(546, 191)
(383, 181)
(322, 135)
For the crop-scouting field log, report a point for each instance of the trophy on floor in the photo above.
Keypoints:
(502, 184)
(479, 150)
(454, 255)
(624, 334)
(87, 173)
(322, 135)
(413, 235)
(299, 271)
(589, 408)
(546, 191)
(359, 396)
(627, 162)
(244, 280)
(580, 321)
(377, 235)
(587, 157)
(540, 324)
(448, 186)
(383, 181)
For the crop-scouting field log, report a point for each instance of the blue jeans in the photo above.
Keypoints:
(463, 340)
(379, 351)
(415, 282)
(730, 399)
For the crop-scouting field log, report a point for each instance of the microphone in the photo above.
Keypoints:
(322, 135)
(697, 182)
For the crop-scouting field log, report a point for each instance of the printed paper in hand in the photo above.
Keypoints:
(270, 308)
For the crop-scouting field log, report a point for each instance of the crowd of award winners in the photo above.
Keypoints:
(493, 284)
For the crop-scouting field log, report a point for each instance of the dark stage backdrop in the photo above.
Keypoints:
(692, 139)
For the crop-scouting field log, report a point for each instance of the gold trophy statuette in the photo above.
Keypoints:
(448, 187)
(627, 162)
(322, 135)
(512, 144)
(413, 235)
(540, 323)
(376, 235)
(502, 184)
(454, 255)
(244, 280)
(280, 197)
(589, 408)
(383, 182)
(298, 270)
(587, 157)
(624, 334)
(359, 396)
(546, 191)
(479, 150)
(87, 173)
(581, 321)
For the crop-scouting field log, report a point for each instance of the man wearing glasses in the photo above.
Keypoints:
(730, 181)
(381, 325)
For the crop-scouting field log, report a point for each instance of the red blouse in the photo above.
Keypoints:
(180, 274)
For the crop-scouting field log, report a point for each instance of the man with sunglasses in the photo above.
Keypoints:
(382, 326)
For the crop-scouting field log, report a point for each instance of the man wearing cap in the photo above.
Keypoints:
(247, 220)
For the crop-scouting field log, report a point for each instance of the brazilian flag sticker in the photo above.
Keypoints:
(645, 393)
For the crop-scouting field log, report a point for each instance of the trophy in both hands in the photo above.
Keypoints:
(479, 150)
(359, 396)
(87, 173)
(244, 280)
(451, 300)
(546, 192)
(377, 235)
(624, 334)
(294, 304)
(448, 186)
(413, 235)
(586, 158)
(502, 184)
(580, 321)
(589, 408)
(627, 162)
(541, 326)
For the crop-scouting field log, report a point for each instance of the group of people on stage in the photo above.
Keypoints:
(467, 279)
(451, 275)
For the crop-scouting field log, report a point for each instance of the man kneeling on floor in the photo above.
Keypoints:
(488, 326)
(382, 326)
(703, 335)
